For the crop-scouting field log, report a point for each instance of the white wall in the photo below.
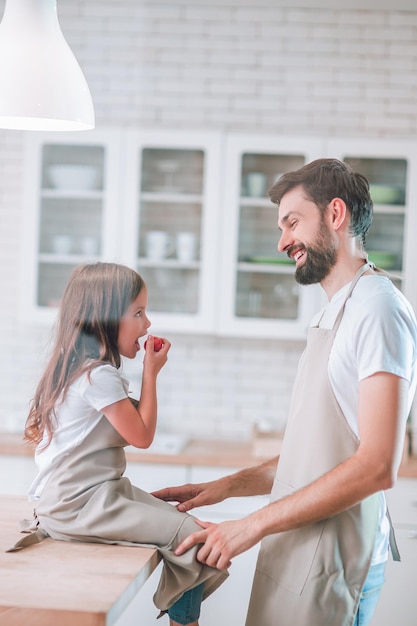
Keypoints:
(200, 64)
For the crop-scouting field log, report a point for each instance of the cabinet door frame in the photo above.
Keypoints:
(203, 321)
(109, 139)
(310, 297)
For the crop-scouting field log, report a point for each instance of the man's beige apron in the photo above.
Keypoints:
(313, 576)
(89, 499)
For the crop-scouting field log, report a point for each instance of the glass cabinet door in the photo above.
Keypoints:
(261, 296)
(170, 221)
(71, 214)
(72, 221)
(173, 225)
(387, 166)
(265, 283)
(388, 182)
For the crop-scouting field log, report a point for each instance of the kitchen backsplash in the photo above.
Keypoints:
(221, 387)
(199, 64)
(210, 387)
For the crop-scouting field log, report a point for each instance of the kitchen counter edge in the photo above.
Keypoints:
(203, 452)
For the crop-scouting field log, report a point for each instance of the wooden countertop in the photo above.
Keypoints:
(212, 453)
(12, 443)
(408, 468)
(216, 453)
(202, 452)
(65, 583)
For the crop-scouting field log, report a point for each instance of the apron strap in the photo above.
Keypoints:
(364, 268)
(36, 537)
(392, 540)
(367, 265)
(34, 534)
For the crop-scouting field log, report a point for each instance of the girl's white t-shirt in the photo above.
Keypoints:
(377, 333)
(76, 418)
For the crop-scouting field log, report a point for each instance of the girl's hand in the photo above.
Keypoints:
(153, 360)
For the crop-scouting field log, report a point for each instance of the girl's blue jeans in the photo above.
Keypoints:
(186, 610)
(370, 594)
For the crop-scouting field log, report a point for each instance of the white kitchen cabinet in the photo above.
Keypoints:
(141, 182)
(259, 295)
(16, 474)
(72, 212)
(171, 212)
(229, 604)
(152, 476)
(209, 191)
(398, 600)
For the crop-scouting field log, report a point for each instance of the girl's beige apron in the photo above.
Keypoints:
(89, 499)
(313, 576)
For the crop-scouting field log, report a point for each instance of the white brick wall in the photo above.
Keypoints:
(226, 65)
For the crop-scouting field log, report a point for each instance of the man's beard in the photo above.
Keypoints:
(321, 257)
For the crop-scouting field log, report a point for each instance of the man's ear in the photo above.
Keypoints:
(337, 213)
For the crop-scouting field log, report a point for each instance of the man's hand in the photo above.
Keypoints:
(192, 496)
(252, 481)
(221, 542)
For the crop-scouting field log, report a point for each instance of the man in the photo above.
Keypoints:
(325, 534)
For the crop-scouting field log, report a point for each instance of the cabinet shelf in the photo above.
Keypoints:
(67, 259)
(72, 193)
(170, 196)
(266, 268)
(387, 209)
(250, 201)
(168, 263)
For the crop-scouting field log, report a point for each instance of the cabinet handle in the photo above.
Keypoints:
(412, 534)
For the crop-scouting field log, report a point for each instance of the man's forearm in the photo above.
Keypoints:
(252, 481)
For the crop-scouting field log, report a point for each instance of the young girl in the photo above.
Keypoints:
(81, 418)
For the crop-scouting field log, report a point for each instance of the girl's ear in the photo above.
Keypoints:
(337, 212)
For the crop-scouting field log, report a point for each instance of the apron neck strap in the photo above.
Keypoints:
(364, 268)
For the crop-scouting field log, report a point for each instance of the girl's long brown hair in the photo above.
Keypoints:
(86, 335)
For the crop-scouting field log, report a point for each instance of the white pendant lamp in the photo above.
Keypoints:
(42, 87)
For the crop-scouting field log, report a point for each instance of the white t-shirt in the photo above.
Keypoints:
(76, 418)
(377, 333)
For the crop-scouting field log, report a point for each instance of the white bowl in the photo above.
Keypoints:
(78, 177)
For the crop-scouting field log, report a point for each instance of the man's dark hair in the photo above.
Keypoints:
(325, 179)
